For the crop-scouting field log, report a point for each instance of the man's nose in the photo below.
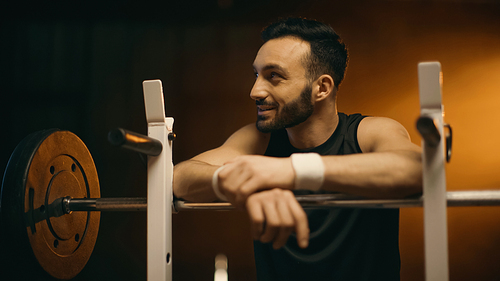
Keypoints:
(258, 91)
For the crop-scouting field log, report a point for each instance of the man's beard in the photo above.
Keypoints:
(290, 115)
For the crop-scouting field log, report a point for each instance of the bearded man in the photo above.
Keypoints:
(301, 144)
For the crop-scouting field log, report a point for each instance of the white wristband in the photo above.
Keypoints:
(215, 184)
(309, 170)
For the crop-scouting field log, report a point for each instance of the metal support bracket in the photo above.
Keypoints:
(434, 177)
(159, 197)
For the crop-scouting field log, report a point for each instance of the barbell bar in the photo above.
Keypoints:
(338, 200)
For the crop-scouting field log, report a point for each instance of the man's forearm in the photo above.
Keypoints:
(394, 174)
(193, 181)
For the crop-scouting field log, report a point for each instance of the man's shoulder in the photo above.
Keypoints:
(373, 131)
(378, 122)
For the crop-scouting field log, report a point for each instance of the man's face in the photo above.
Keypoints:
(281, 90)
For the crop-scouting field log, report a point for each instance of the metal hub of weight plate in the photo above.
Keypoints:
(46, 166)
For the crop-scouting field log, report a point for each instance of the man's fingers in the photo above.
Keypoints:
(272, 222)
(246, 175)
(286, 224)
(301, 223)
(230, 180)
(257, 219)
(246, 189)
(274, 215)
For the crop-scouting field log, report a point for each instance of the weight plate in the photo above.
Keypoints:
(46, 166)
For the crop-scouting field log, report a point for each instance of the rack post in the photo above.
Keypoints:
(159, 197)
(434, 177)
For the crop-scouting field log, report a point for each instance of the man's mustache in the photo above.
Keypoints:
(264, 102)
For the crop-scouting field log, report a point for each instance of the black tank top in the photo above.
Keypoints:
(345, 244)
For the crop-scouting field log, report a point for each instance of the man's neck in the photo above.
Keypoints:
(316, 130)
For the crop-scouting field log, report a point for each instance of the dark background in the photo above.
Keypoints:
(79, 65)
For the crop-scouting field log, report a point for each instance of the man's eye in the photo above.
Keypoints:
(275, 75)
(256, 75)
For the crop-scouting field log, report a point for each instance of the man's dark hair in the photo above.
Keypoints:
(328, 52)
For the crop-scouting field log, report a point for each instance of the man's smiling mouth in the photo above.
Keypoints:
(265, 107)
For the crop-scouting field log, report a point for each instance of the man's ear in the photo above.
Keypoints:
(325, 87)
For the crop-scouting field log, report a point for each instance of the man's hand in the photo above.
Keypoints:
(245, 175)
(274, 215)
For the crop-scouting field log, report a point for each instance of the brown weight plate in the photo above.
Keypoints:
(62, 166)
(59, 166)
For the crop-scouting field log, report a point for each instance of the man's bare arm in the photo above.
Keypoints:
(391, 166)
(193, 178)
